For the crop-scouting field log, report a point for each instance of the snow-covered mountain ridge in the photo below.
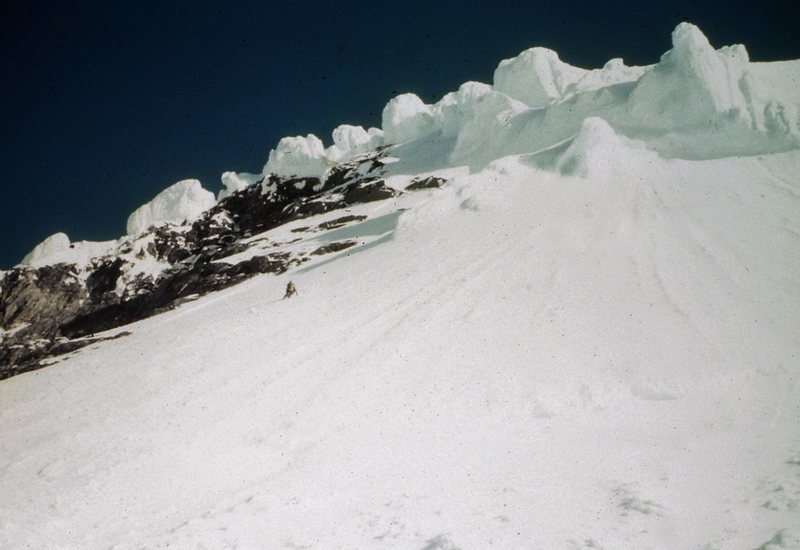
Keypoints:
(55, 308)
(695, 103)
(559, 311)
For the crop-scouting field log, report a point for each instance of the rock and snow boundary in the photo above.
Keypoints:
(695, 103)
(559, 311)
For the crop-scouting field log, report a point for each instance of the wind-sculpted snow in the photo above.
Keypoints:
(236, 181)
(406, 117)
(598, 151)
(297, 156)
(560, 311)
(307, 156)
(52, 245)
(693, 84)
(469, 114)
(181, 202)
(58, 248)
(695, 103)
(352, 141)
(536, 77)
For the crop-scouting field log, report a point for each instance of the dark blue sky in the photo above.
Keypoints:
(105, 104)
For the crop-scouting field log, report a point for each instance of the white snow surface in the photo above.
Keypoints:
(588, 338)
(181, 202)
(307, 156)
(697, 102)
(298, 156)
(597, 150)
(351, 141)
(406, 117)
(54, 244)
(521, 359)
(57, 248)
(236, 181)
(536, 77)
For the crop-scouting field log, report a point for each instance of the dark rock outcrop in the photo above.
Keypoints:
(168, 291)
(333, 247)
(54, 309)
(431, 182)
(368, 192)
(340, 222)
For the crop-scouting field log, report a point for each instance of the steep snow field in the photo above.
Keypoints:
(579, 341)
(522, 360)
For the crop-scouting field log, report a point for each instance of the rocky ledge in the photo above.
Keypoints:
(55, 309)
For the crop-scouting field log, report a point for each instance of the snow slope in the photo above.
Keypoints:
(522, 360)
(587, 344)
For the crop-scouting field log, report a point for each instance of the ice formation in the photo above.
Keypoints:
(182, 201)
(236, 181)
(470, 114)
(676, 107)
(42, 252)
(58, 248)
(536, 77)
(693, 85)
(696, 102)
(308, 157)
(406, 117)
(350, 141)
(298, 156)
(613, 72)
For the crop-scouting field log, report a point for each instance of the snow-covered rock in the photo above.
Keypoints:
(82, 288)
(180, 202)
(58, 248)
